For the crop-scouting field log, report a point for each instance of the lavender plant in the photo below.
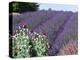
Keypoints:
(29, 44)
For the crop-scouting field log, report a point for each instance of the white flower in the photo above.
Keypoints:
(36, 38)
(27, 30)
(40, 36)
(30, 33)
(27, 50)
(24, 29)
(23, 26)
(19, 27)
(25, 40)
(30, 46)
(35, 33)
(14, 36)
(44, 36)
(21, 31)
(27, 37)
(24, 45)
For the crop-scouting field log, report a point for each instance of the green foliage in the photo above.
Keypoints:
(22, 7)
(29, 44)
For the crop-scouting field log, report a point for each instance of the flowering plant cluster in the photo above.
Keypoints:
(70, 48)
(27, 43)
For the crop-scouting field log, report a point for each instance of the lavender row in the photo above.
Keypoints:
(69, 32)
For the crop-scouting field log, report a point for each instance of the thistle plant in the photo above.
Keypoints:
(21, 43)
(40, 43)
(29, 44)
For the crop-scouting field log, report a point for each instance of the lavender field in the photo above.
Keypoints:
(61, 28)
